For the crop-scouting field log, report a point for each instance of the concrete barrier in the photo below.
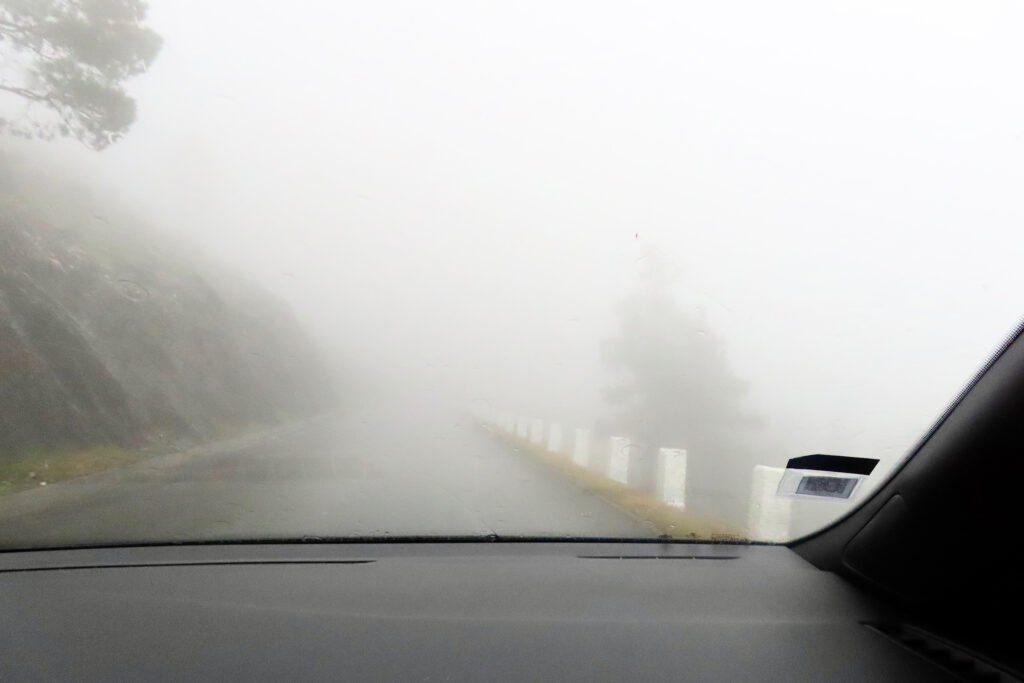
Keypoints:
(537, 430)
(670, 479)
(581, 448)
(555, 437)
(618, 459)
(769, 513)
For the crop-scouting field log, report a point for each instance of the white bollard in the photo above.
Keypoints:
(581, 449)
(671, 476)
(537, 430)
(618, 459)
(522, 427)
(555, 437)
(769, 512)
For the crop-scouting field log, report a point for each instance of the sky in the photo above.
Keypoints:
(455, 195)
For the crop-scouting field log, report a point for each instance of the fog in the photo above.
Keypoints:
(455, 197)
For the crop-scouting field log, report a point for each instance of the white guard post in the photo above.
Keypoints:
(671, 480)
(537, 430)
(555, 437)
(769, 512)
(618, 459)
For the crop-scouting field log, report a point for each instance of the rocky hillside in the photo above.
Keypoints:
(110, 334)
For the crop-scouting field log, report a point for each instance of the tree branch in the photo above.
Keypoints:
(12, 26)
(26, 93)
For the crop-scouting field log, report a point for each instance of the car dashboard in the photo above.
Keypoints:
(433, 611)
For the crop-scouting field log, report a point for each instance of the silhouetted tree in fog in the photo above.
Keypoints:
(71, 58)
(673, 383)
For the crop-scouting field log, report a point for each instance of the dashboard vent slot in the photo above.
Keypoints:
(960, 662)
(658, 557)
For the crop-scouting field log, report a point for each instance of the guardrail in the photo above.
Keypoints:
(622, 461)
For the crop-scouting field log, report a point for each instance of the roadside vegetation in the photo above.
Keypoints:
(35, 467)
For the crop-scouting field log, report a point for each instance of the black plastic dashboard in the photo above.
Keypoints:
(442, 611)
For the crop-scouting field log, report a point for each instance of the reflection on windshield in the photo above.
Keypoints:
(506, 271)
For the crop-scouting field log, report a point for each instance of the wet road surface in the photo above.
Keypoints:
(379, 474)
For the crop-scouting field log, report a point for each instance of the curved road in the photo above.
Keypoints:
(384, 473)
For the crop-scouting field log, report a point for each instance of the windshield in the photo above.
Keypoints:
(347, 270)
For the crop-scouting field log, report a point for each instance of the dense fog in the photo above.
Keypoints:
(750, 230)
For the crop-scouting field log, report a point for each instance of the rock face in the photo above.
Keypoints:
(109, 334)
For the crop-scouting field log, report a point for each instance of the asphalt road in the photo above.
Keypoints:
(385, 473)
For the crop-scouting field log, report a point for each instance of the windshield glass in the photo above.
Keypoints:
(571, 270)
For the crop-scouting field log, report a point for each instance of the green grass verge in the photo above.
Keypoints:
(30, 468)
(669, 520)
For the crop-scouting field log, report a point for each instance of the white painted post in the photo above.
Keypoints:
(555, 437)
(769, 512)
(581, 448)
(537, 430)
(671, 476)
(618, 459)
(522, 427)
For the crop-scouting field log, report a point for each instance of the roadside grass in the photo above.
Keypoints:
(38, 466)
(669, 520)
(30, 467)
